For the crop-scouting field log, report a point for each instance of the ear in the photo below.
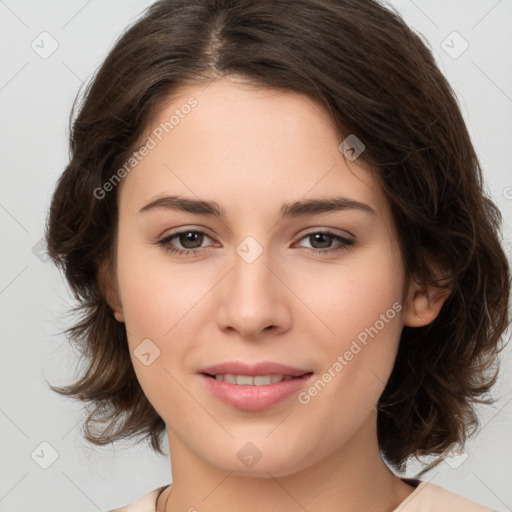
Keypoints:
(423, 303)
(109, 289)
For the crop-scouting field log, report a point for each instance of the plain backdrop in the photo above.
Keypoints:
(46, 466)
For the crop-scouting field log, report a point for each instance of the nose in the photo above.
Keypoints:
(253, 298)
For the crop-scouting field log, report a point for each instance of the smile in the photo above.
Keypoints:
(254, 393)
(248, 380)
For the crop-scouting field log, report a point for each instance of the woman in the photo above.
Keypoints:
(274, 222)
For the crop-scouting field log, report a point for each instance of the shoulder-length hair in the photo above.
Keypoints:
(378, 81)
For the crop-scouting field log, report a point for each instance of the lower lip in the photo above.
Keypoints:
(254, 398)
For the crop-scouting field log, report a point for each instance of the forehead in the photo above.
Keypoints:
(256, 147)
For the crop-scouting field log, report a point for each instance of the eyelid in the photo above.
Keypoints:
(181, 229)
(299, 236)
(344, 242)
(334, 231)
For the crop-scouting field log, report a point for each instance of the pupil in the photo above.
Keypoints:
(317, 237)
(185, 238)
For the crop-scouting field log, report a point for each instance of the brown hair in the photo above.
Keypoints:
(377, 80)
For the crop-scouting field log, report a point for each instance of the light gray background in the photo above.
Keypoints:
(36, 95)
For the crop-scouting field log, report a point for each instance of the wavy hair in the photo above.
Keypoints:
(378, 80)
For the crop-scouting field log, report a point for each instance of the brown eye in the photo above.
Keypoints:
(190, 239)
(187, 242)
(322, 242)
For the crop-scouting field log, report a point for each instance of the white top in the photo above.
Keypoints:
(427, 497)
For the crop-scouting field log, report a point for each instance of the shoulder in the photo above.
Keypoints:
(427, 497)
(146, 503)
(430, 497)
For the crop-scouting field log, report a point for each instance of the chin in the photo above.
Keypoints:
(249, 461)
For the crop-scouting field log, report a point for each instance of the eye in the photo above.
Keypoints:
(190, 239)
(191, 242)
(323, 241)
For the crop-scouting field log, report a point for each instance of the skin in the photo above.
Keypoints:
(250, 150)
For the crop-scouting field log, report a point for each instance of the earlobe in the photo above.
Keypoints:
(109, 290)
(118, 315)
(423, 304)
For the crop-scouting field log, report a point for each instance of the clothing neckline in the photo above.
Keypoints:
(414, 482)
(418, 484)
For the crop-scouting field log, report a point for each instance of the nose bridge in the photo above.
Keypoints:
(254, 298)
(251, 266)
(251, 277)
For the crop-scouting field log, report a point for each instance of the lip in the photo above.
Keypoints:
(254, 398)
(254, 369)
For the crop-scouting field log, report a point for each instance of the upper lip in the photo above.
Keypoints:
(253, 369)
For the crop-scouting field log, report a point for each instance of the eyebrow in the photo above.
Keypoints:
(287, 210)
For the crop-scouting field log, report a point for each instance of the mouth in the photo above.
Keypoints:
(257, 380)
(242, 371)
(254, 388)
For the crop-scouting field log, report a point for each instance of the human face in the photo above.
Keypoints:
(249, 287)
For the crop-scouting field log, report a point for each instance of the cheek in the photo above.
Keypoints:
(358, 360)
(157, 308)
(159, 298)
(361, 308)
(358, 293)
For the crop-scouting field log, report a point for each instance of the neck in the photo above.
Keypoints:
(353, 477)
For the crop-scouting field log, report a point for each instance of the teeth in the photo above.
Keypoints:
(228, 378)
(247, 380)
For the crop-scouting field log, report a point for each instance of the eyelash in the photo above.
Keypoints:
(346, 243)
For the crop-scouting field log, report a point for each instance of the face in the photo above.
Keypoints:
(318, 290)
